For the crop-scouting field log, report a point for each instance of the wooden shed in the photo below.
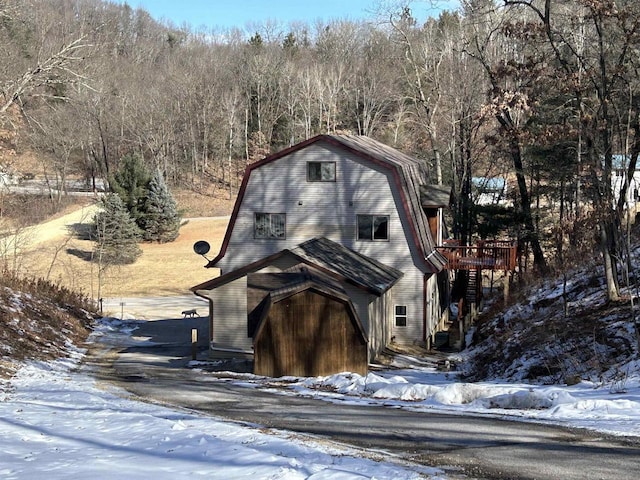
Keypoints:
(306, 327)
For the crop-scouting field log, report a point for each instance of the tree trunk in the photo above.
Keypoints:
(539, 261)
(609, 263)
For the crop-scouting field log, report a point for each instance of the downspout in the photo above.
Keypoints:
(210, 324)
(424, 310)
(200, 293)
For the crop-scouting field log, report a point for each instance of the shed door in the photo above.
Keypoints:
(309, 334)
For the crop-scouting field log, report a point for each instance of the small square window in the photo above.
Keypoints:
(401, 316)
(321, 171)
(269, 225)
(373, 227)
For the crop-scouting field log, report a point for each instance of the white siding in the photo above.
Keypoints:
(230, 315)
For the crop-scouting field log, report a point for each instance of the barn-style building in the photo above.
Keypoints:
(328, 257)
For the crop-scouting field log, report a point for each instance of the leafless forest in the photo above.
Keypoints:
(543, 92)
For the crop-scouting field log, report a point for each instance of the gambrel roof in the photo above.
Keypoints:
(407, 173)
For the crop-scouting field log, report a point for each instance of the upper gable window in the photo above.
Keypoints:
(321, 171)
(270, 225)
(373, 227)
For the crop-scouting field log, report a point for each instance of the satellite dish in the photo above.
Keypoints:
(201, 247)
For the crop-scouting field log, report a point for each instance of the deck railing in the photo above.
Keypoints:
(486, 255)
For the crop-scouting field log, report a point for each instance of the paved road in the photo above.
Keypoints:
(467, 447)
(154, 308)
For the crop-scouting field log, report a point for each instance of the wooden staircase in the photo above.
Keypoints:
(474, 287)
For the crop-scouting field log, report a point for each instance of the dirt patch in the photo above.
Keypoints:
(38, 321)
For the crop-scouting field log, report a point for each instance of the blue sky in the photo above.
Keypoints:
(241, 13)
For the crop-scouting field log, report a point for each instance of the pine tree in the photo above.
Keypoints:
(160, 219)
(130, 182)
(116, 233)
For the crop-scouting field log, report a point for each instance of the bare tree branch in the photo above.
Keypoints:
(40, 75)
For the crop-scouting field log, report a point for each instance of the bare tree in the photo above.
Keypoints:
(510, 106)
(54, 70)
(424, 57)
(601, 80)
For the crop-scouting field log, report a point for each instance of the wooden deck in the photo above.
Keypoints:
(484, 255)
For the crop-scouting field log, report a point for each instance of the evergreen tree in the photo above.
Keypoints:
(130, 182)
(116, 234)
(160, 219)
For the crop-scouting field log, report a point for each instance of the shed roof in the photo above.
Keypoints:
(298, 279)
(408, 174)
(347, 263)
(435, 196)
(328, 257)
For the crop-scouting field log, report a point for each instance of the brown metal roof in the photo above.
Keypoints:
(302, 278)
(328, 257)
(435, 196)
(345, 262)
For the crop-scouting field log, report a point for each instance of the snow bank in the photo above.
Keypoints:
(588, 405)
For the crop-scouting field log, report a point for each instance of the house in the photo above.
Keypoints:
(332, 229)
(490, 190)
(620, 177)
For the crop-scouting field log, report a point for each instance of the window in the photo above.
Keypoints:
(321, 171)
(269, 225)
(401, 316)
(373, 227)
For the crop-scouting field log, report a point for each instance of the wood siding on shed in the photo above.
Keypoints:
(309, 334)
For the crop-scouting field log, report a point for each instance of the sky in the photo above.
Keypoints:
(226, 14)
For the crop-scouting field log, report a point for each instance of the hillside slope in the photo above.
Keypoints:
(534, 340)
(38, 320)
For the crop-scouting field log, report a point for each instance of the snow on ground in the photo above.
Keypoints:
(56, 423)
(612, 408)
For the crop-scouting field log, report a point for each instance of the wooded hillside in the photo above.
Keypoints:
(544, 93)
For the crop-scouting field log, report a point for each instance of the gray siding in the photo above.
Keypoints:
(379, 311)
(316, 209)
(366, 305)
(230, 315)
(433, 305)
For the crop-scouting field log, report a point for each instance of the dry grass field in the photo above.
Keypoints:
(52, 250)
